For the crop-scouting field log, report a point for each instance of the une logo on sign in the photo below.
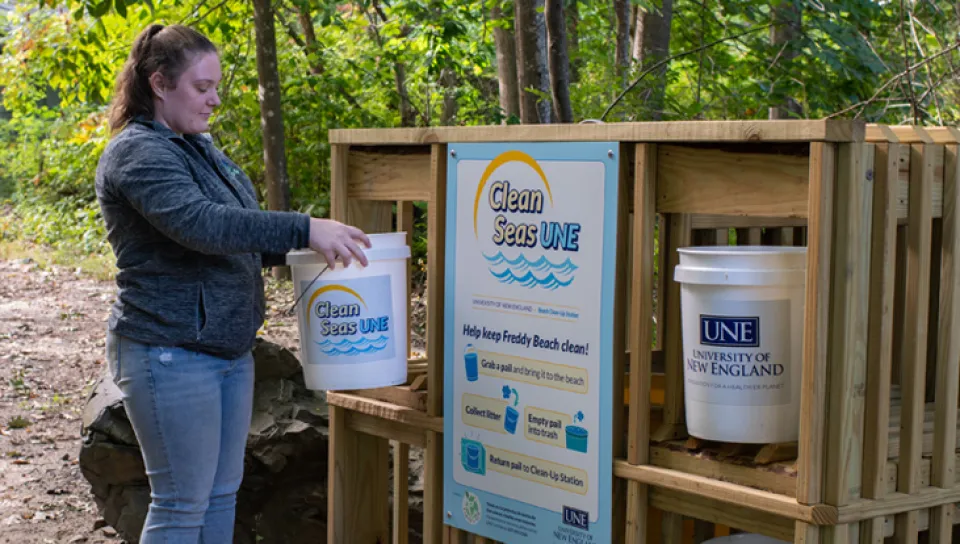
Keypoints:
(576, 518)
(740, 332)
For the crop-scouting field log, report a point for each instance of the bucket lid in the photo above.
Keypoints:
(383, 247)
(742, 265)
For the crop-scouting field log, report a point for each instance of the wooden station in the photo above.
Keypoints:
(876, 207)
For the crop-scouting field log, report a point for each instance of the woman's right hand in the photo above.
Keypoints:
(333, 239)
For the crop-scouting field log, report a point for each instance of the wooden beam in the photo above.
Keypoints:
(377, 175)
(816, 324)
(723, 222)
(405, 224)
(915, 341)
(386, 411)
(716, 181)
(728, 493)
(390, 430)
(357, 506)
(895, 503)
(715, 511)
(779, 478)
(641, 336)
(880, 332)
(672, 131)
(948, 353)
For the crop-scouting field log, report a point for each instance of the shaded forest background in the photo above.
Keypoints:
(293, 69)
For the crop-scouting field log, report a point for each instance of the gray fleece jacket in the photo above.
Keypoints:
(190, 241)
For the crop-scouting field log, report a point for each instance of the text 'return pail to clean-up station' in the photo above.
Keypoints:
(353, 320)
(742, 313)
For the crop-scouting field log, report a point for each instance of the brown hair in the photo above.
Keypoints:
(168, 50)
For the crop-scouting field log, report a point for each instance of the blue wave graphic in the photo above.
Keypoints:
(362, 346)
(522, 263)
(529, 280)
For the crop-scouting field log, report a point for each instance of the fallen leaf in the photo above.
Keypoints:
(21, 462)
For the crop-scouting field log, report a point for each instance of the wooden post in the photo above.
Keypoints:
(942, 472)
(919, 226)
(816, 322)
(880, 344)
(678, 235)
(433, 455)
(641, 335)
(405, 224)
(357, 508)
(846, 368)
(621, 305)
(401, 501)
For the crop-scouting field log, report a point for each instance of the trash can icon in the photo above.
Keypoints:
(576, 438)
(510, 421)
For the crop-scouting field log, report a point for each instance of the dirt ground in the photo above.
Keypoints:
(52, 329)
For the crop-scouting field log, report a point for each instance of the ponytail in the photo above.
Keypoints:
(168, 50)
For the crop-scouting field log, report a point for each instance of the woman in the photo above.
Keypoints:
(190, 242)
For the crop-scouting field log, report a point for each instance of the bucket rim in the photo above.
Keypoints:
(737, 251)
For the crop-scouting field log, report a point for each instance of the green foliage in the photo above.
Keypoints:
(59, 61)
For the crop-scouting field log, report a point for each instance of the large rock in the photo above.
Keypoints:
(283, 495)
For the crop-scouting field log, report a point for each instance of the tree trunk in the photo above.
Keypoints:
(559, 61)
(783, 37)
(651, 45)
(408, 116)
(528, 73)
(544, 106)
(621, 10)
(312, 48)
(448, 78)
(572, 11)
(271, 114)
(505, 44)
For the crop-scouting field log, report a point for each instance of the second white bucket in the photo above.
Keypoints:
(742, 314)
(353, 321)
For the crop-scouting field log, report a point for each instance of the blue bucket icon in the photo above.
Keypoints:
(470, 359)
(473, 456)
(510, 421)
(576, 438)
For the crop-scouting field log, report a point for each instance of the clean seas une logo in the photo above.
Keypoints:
(725, 331)
(347, 326)
(521, 224)
(472, 509)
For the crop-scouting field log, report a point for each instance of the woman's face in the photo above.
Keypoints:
(186, 108)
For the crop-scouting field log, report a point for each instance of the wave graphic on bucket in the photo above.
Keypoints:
(347, 347)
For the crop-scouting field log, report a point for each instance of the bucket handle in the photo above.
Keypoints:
(305, 289)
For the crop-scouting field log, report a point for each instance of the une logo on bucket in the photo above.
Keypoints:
(352, 318)
(520, 223)
(740, 332)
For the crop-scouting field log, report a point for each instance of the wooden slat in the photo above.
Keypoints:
(944, 135)
(399, 395)
(384, 428)
(660, 280)
(338, 182)
(436, 252)
(376, 175)
(880, 134)
(678, 236)
(386, 411)
(671, 528)
(777, 478)
(903, 197)
(915, 340)
(714, 181)
(641, 335)
(762, 501)
(880, 325)
(948, 353)
(357, 506)
(816, 322)
(673, 131)
(733, 515)
(401, 486)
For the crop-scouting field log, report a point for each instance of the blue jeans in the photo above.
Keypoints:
(191, 414)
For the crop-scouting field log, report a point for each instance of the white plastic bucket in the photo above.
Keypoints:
(742, 313)
(353, 321)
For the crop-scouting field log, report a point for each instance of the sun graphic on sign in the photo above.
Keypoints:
(329, 288)
(500, 160)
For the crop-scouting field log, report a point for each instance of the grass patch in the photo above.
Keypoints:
(18, 423)
(101, 267)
